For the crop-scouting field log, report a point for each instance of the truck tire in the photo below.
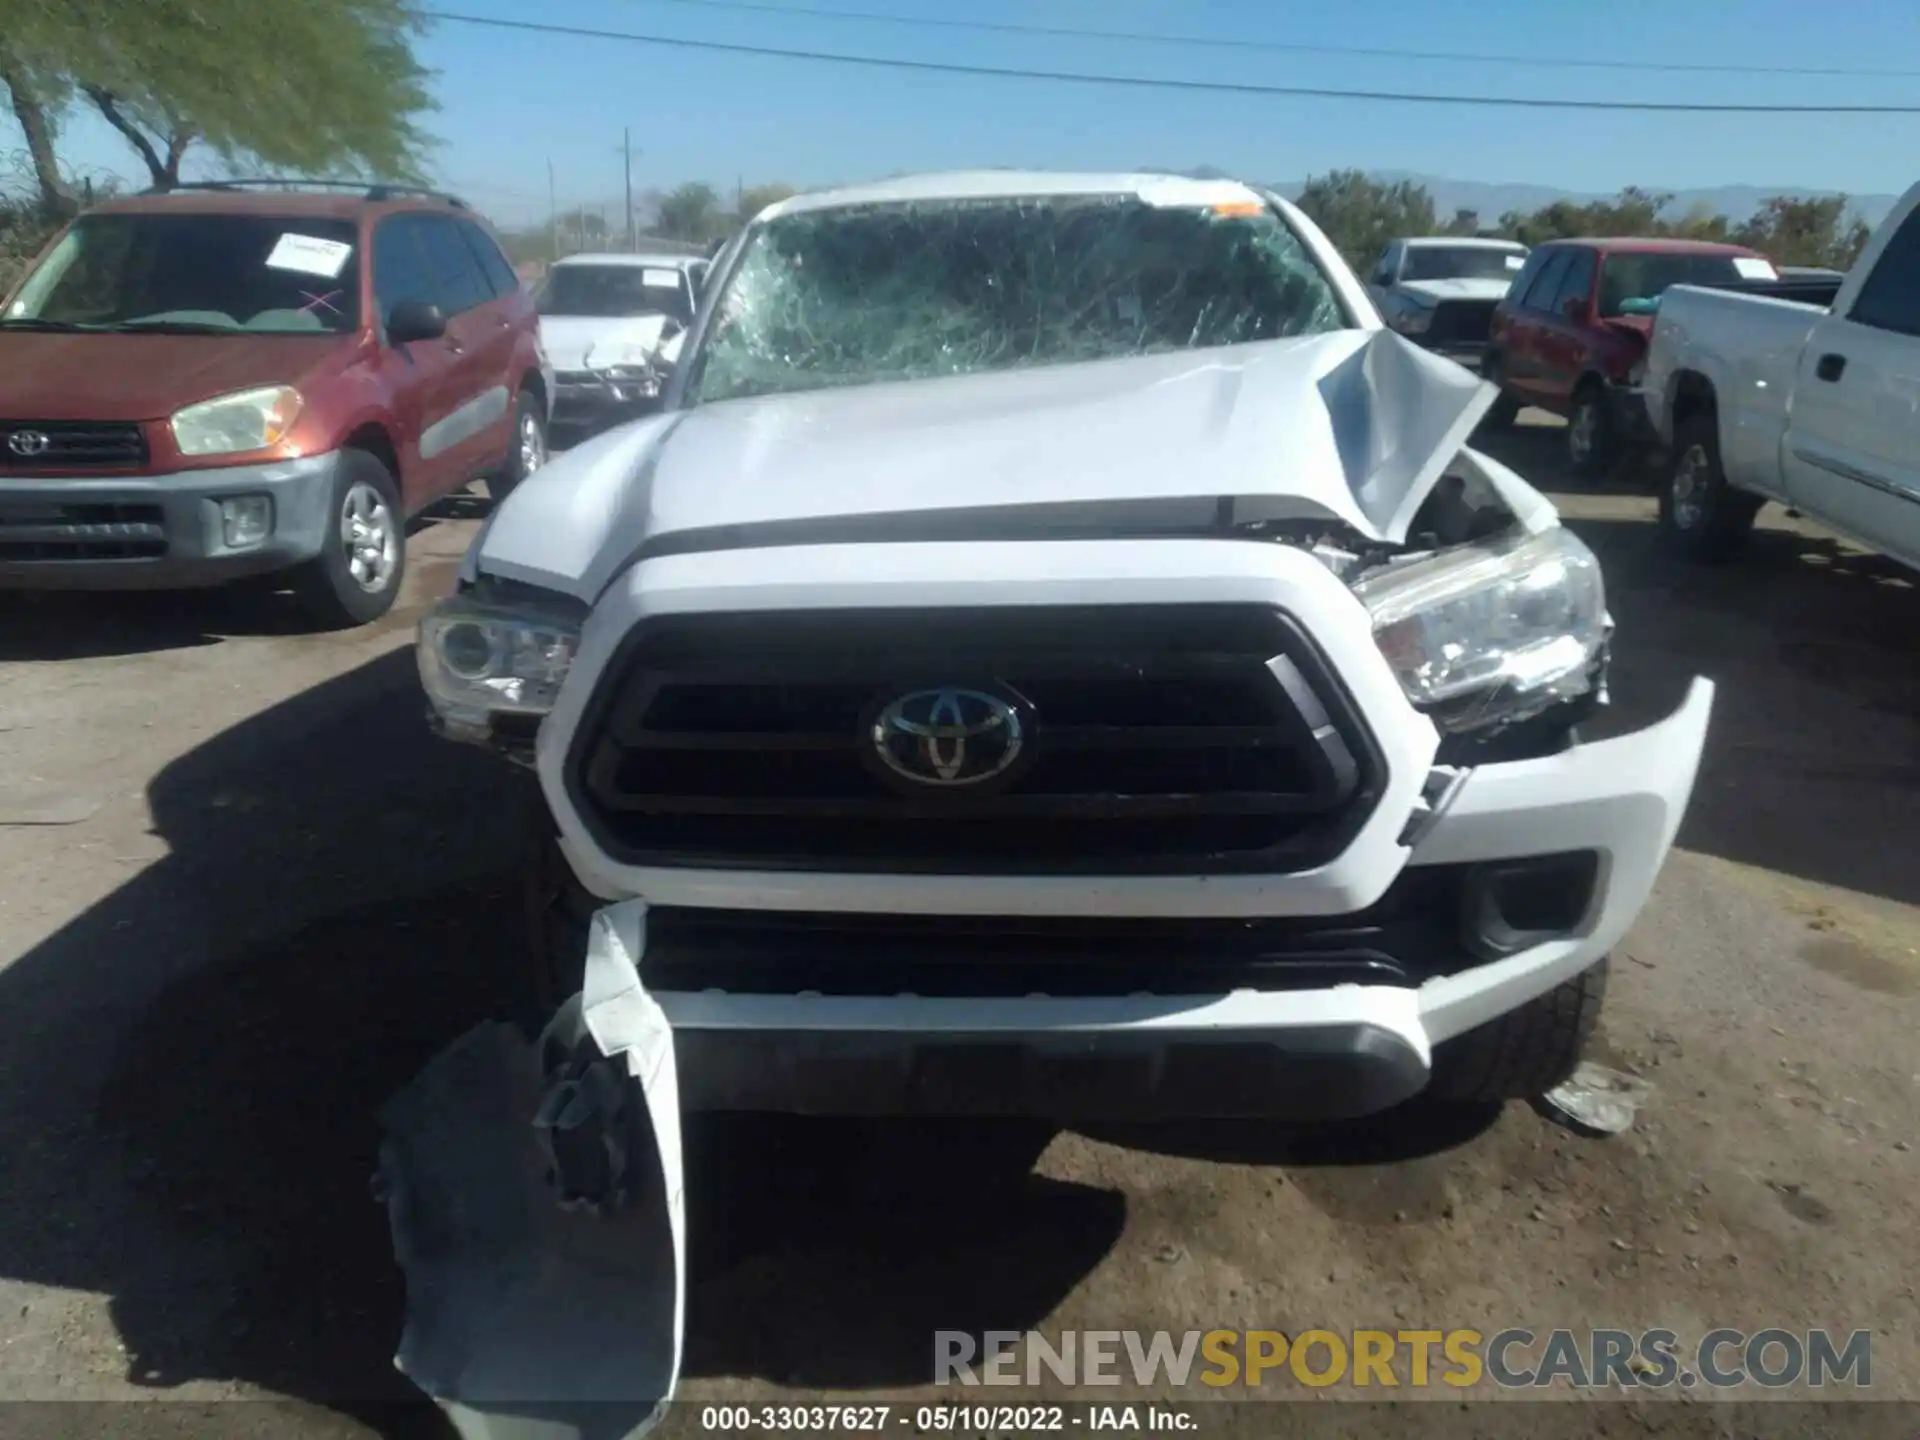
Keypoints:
(1702, 517)
(527, 451)
(363, 554)
(1526, 1052)
(1591, 445)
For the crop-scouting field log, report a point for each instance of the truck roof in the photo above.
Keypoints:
(344, 205)
(995, 184)
(649, 259)
(1653, 245)
(1465, 242)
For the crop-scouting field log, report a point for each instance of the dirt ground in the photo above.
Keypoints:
(258, 895)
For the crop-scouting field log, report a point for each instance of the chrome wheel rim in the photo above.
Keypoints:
(1582, 430)
(533, 444)
(1690, 488)
(369, 537)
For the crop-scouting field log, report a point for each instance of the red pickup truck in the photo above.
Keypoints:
(1571, 334)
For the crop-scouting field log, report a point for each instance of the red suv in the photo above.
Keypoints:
(225, 381)
(1571, 334)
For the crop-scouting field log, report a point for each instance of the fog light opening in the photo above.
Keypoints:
(246, 520)
(1509, 905)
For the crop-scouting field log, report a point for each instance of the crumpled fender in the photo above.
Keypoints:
(536, 1198)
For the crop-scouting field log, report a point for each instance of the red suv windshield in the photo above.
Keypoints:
(264, 274)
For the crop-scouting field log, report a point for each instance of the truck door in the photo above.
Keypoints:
(1851, 452)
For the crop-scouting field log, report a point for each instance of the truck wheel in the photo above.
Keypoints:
(1590, 438)
(529, 450)
(1701, 516)
(363, 554)
(1525, 1052)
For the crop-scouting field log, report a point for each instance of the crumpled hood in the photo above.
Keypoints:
(575, 342)
(1434, 291)
(1351, 428)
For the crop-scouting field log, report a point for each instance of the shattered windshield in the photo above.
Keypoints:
(860, 295)
(1461, 262)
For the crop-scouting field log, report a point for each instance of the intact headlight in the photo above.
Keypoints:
(482, 658)
(234, 424)
(1493, 632)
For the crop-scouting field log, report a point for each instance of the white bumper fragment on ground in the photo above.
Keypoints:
(536, 1199)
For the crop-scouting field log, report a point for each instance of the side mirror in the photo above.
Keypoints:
(1574, 309)
(411, 320)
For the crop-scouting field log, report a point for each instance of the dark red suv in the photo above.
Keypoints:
(235, 380)
(1571, 334)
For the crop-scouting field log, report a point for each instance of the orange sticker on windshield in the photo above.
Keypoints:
(1238, 207)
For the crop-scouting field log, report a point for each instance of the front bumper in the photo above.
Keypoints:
(157, 532)
(587, 395)
(1173, 1044)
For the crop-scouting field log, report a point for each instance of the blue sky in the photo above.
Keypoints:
(512, 102)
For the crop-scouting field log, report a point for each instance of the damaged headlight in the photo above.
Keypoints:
(482, 658)
(1494, 632)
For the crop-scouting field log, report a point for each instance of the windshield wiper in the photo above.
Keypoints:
(173, 327)
(29, 322)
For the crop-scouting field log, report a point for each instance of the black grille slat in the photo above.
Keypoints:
(1161, 740)
(1461, 322)
(1408, 935)
(78, 444)
(91, 530)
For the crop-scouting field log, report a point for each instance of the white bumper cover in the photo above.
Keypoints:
(1622, 798)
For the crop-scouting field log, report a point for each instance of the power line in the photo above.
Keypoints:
(1159, 82)
(1214, 42)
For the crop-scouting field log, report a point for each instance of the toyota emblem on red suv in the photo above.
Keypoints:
(28, 443)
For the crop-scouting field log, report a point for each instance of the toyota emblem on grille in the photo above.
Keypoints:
(948, 737)
(28, 443)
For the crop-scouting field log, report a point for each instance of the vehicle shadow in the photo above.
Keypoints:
(63, 625)
(197, 1061)
(1812, 766)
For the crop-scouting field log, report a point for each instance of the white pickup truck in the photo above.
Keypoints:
(1818, 407)
(1055, 653)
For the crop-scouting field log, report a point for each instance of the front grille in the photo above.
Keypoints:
(1461, 322)
(1411, 934)
(1162, 740)
(71, 445)
(31, 530)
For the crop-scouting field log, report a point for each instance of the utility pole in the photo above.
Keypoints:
(627, 145)
(553, 210)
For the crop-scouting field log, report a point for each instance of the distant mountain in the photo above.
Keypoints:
(1736, 202)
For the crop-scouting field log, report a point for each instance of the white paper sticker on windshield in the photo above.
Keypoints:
(310, 255)
(1752, 267)
(660, 279)
(1514, 262)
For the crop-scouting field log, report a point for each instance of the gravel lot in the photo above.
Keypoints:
(268, 896)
